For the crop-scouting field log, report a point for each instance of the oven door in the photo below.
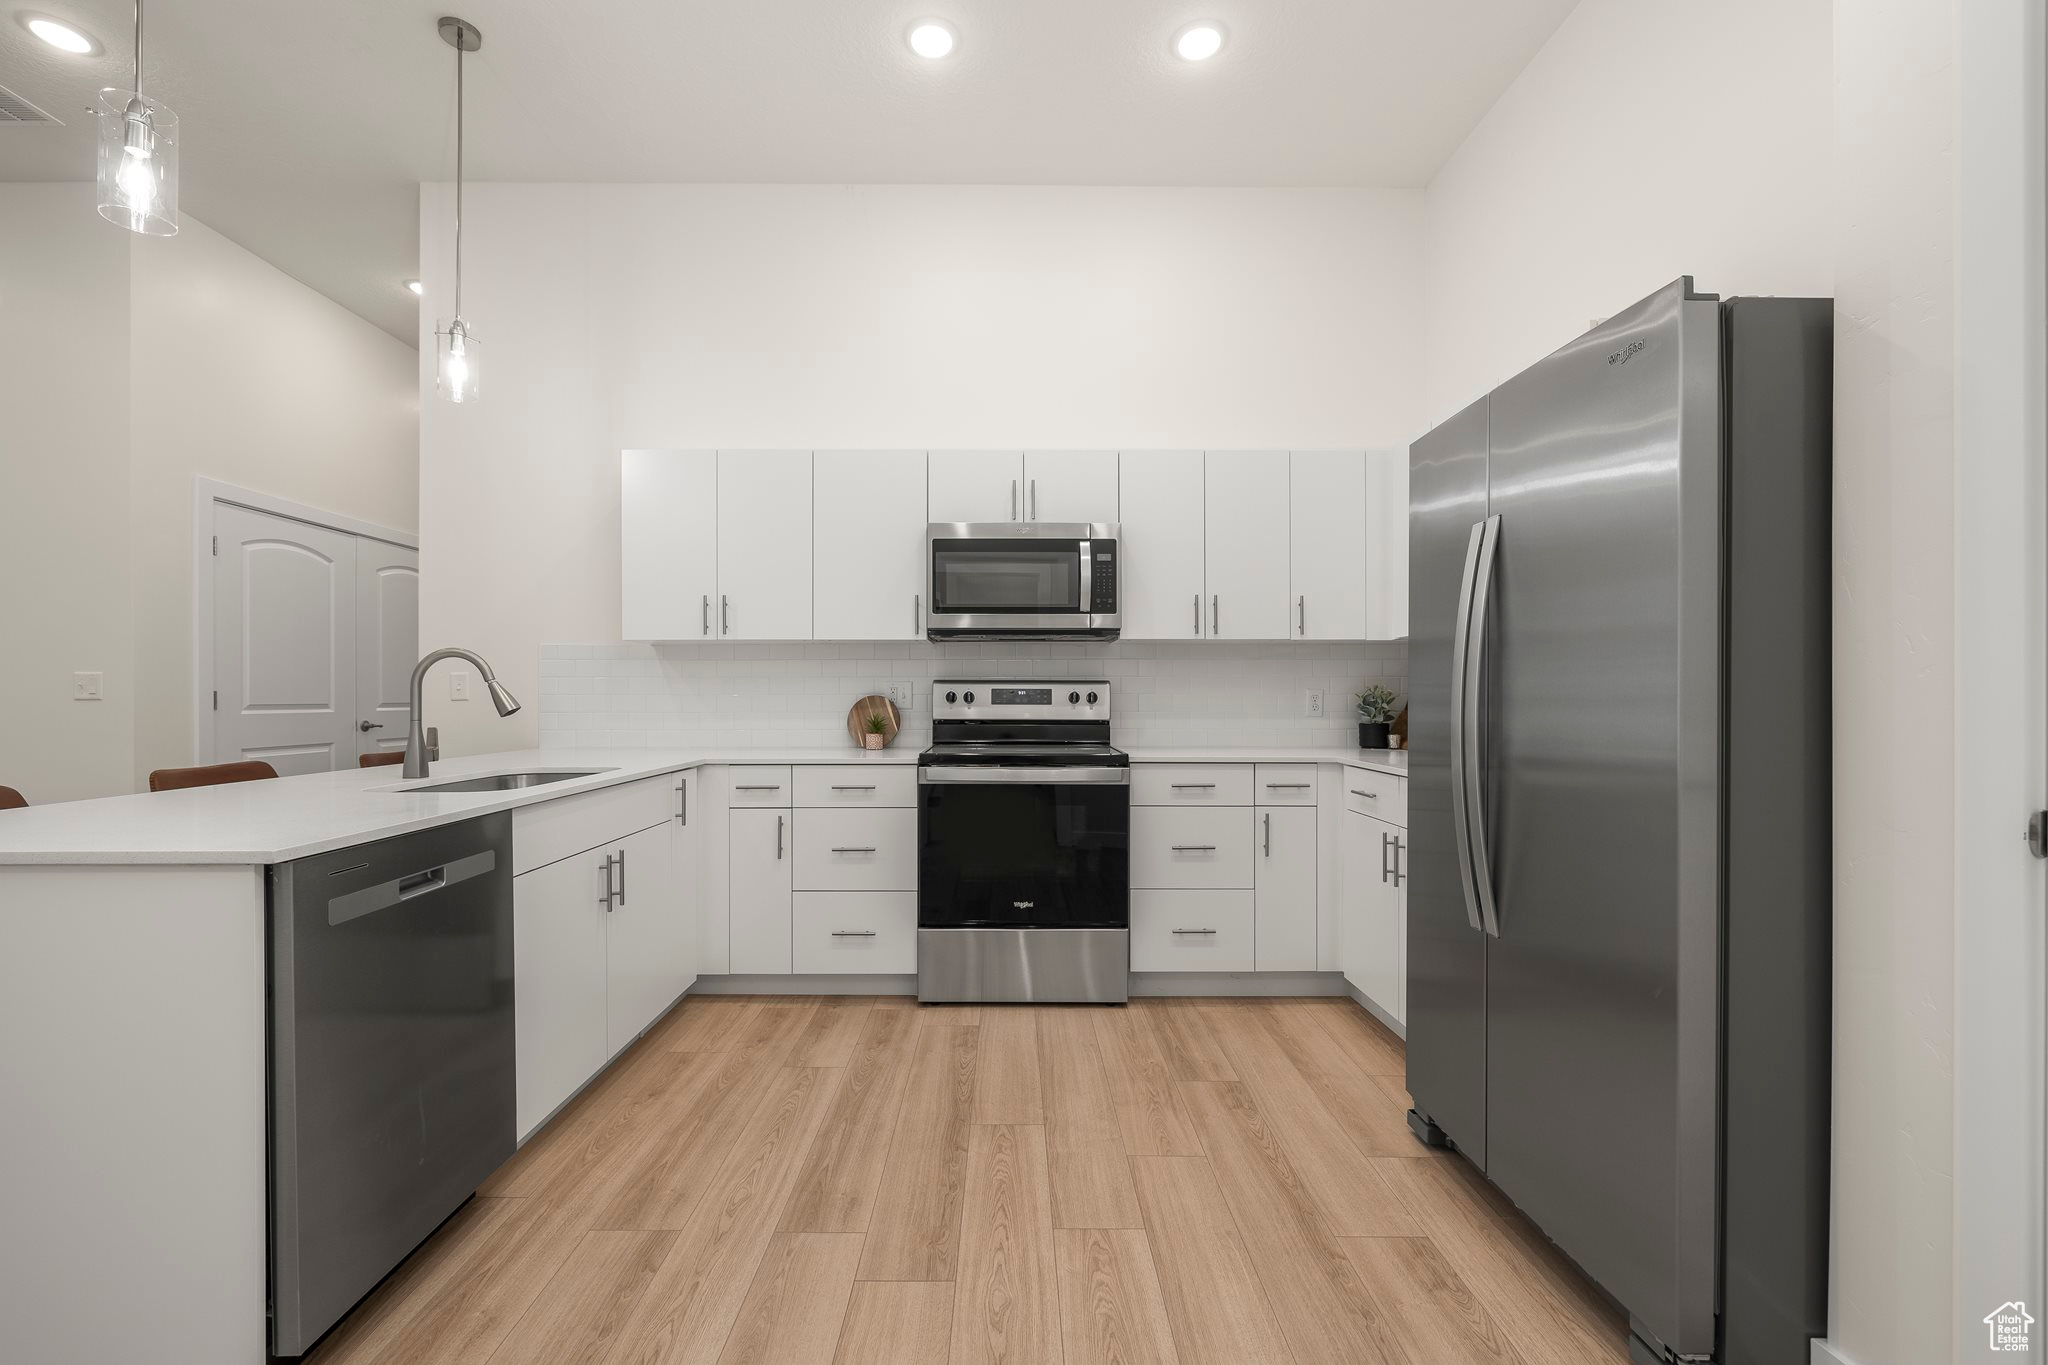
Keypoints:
(1032, 579)
(1018, 848)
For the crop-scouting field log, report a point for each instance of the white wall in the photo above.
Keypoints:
(128, 365)
(64, 563)
(1643, 142)
(756, 317)
(242, 374)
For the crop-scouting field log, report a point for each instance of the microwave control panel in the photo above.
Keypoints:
(1102, 576)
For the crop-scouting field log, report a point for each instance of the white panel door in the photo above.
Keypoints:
(1386, 544)
(387, 642)
(1245, 493)
(764, 545)
(1284, 880)
(1161, 580)
(1326, 538)
(645, 931)
(975, 485)
(1070, 485)
(1372, 943)
(668, 544)
(558, 983)
(759, 878)
(284, 641)
(868, 509)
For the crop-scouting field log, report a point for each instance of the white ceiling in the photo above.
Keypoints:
(308, 126)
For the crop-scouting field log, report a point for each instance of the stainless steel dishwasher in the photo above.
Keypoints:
(391, 1057)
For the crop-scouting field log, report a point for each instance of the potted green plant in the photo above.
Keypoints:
(875, 731)
(1376, 707)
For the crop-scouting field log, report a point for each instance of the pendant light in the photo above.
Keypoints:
(455, 351)
(138, 170)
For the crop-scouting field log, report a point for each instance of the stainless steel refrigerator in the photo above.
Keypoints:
(1618, 934)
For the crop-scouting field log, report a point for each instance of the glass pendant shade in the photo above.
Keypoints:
(138, 163)
(456, 368)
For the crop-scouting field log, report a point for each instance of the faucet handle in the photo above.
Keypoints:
(433, 744)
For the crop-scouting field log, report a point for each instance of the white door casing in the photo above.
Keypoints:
(284, 642)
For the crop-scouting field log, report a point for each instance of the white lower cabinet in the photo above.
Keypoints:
(1192, 931)
(855, 850)
(760, 882)
(558, 971)
(645, 937)
(853, 933)
(1284, 875)
(1373, 929)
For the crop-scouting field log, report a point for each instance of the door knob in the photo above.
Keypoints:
(368, 725)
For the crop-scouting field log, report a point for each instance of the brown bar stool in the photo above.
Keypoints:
(210, 775)
(10, 799)
(382, 760)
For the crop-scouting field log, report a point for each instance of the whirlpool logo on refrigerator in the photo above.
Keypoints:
(1627, 353)
(1023, 905)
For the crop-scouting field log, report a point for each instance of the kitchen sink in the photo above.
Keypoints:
(505, 782)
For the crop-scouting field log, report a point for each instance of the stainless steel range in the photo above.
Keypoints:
(1024, 845)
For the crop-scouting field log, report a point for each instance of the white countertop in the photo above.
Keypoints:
(294, 817)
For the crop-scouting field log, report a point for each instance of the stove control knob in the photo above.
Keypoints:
(1073, 698)
(970, 698)
(1093, 698)
(952, 697)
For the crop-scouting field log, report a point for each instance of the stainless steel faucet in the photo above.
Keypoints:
(416, 735)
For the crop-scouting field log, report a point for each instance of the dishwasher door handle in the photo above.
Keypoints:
(382, 896)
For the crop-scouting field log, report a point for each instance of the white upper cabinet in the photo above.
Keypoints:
(764, 545)
(1326, 496)
(1246, 517)
(1070, 485)
(1386, 544)
(1161, 580)
(976, 485)
(868, 507)
(668, 544)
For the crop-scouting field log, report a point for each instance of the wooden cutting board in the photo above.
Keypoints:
(857, 719)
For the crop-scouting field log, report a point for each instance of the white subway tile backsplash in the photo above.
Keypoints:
(683, 695)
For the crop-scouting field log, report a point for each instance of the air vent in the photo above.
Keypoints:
(15, 109)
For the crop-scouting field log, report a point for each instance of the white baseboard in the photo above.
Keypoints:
(1142, 983)
(1826, 1354)
(805, 985)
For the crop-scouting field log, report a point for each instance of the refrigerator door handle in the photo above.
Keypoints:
(1474, 725)
(1461, 654)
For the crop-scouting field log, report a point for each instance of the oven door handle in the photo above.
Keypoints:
(991, 773)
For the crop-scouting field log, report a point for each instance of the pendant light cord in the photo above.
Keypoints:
(458, 173)
(138, 46)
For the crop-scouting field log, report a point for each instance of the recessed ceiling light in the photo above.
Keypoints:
(60, 35)
(931, 38)
(416, 286)
(1198, 42)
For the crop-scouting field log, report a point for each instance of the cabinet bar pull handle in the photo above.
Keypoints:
(1194, 931)
(1301, 605)
(1269, 834)
(1194, 848)
(606, 899)
(1034, 500)
(1193, 786)
(916, 611)
(707, 613)
(622, 876)
(853, 850)
(1285, 786)
(1215, 626)
(870, 787)
(757, 786)
(1370, 796)
(1400, 847)
(778, 836)
(1198, 616)
(1013, 501)
(683, 801)
(853, 933)
(724, 614)
(1385, 871)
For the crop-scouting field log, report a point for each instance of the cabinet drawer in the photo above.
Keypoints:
(1285, 784)
(1191, 784)
(551, 831)
(854, 931)
(1377, 795)
(856, 850)
(1191, 931)
(856, 785)
(1200, 849)
(757, 784)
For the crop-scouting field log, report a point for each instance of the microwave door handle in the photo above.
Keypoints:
(1461, 627)
(1087, 602)
(1475, 726)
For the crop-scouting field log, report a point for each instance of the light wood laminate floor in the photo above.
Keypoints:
(861, 1181)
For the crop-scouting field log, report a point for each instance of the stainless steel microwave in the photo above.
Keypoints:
(1022, 580)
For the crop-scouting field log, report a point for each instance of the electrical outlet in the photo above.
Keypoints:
(87, 686)
(458, 684)
(902, 693)
(1312, 702)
